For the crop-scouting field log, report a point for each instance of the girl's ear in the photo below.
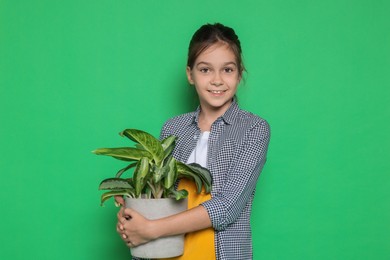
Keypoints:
(189, 76)
(240, 77)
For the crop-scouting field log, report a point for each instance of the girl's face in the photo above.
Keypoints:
(216, 77)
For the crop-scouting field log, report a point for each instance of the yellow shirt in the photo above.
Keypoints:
(199, 244)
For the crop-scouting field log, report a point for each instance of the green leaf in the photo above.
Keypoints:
(203, 173)
(147, 194)
(139, 146)
(191, 175)
(171, 175)
(116, 184)
(151, 188)
(180, 194)
(140, 175)
(199, 174)
(107, 195)
(168, 145)
(120, 172)
(124, 153)
(149, 142)
(159, 173)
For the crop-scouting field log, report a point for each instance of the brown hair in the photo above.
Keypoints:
(210, 34)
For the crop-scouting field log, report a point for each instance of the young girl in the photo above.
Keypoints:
(230, 142)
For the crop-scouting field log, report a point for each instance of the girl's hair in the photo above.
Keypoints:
(210, 34)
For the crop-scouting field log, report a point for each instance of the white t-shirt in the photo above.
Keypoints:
(199, 154)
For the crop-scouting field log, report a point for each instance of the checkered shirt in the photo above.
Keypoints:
(237, 148)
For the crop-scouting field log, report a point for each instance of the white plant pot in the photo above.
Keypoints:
(154, 209)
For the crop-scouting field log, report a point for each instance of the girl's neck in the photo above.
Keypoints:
(207, 117)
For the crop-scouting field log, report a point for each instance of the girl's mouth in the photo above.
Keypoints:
(216, 91)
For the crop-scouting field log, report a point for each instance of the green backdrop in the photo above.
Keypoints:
(74, 73)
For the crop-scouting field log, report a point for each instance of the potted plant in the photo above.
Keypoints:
(151, 189)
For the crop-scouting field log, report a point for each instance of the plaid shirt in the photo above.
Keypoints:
(237, 148)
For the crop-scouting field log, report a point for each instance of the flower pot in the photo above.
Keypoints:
(154, 209)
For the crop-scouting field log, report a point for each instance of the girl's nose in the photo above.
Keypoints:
(217, 80)
(216, 83)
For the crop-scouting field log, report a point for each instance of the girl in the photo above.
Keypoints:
(230, 142)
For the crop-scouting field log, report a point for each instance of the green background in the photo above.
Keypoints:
(74, 73)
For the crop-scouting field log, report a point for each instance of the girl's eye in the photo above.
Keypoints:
(228, 70)
(204, 70)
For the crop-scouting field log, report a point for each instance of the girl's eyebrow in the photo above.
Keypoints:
(230, 63)
(209, 64)
(203, 63)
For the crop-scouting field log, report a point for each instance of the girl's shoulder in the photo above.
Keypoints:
(183, 119)
(244, 117)
(248, 125)
(176, 124)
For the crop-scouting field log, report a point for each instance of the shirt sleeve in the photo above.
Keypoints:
(164, 133)
(228, 203)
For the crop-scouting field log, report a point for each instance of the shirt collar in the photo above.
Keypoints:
(227, 117)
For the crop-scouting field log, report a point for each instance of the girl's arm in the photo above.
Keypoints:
(233, 195)
(136, 229)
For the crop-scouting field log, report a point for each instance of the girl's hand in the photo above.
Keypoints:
(120, 200)
(133, 228)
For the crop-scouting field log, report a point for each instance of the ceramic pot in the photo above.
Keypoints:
(154, 209)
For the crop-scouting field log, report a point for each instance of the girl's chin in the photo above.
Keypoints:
(218, 104)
